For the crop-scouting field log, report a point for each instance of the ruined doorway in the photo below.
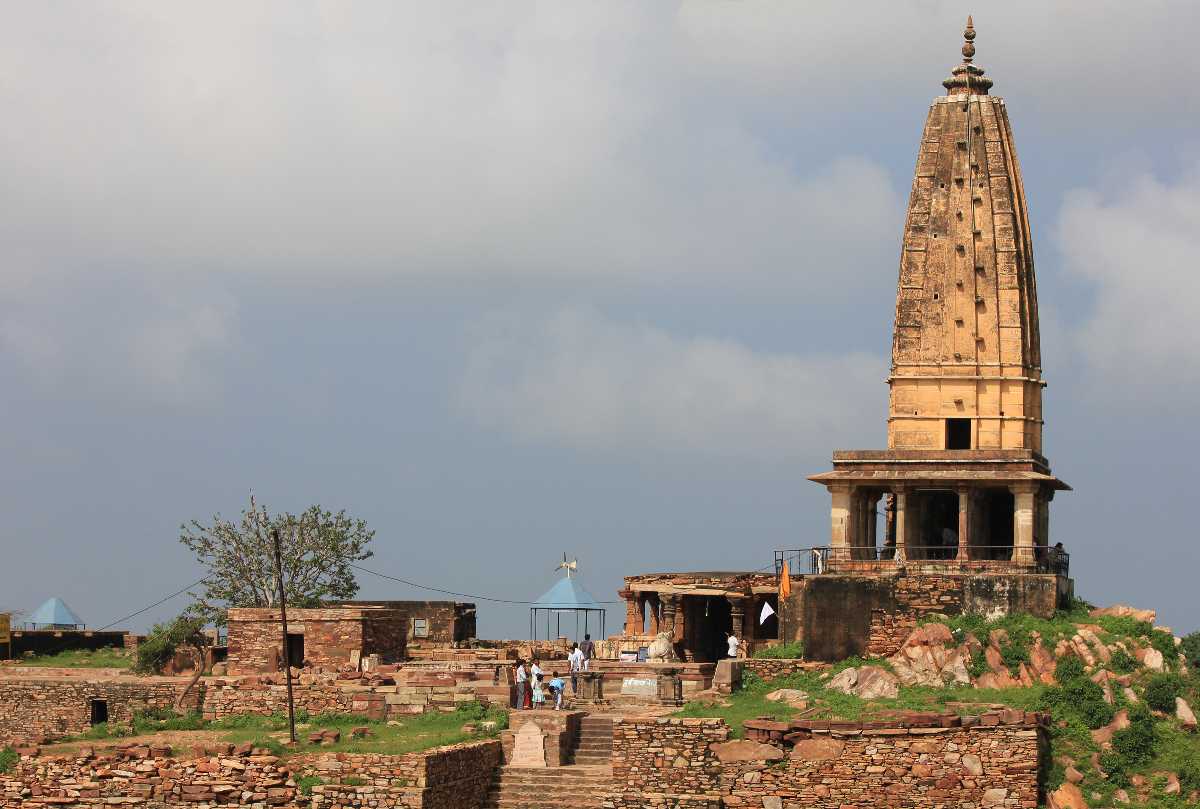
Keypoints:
(710, 616)
(98, 709)
(295, 649)
(997, 524)
(939, 525)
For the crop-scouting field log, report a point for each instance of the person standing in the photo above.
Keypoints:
(535, 673)
(732, 642)
(576, 661)
(589, 651)
(522, 680)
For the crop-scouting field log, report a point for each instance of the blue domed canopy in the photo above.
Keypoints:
(54, 614)
(566, 596)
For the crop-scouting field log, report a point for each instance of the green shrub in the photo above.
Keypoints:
(305, 785)
(1122, 662)
(1125, 626)
(1164, 642)
(1136, 743)
(8, 759)
(354, 781)
(978, 665)
(1190, 648)
(751, 681)
(1161, 691)
(1080, 697)
(786, 651)
(1068, 668)
(159, 719)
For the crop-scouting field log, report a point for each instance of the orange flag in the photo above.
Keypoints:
(785, 582)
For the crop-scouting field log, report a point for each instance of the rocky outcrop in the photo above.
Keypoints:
(789, 696)
(929, 657)
(1067, 796)
(1125, 611)
(1183, 712)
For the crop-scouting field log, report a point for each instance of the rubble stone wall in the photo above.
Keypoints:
(689, 763)
(913, 597)
(979, 766)
(454, 777)
(34, 709)
(667, 762)
(773, 668)
(561, 727)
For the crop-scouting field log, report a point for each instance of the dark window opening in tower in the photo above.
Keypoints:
(958, 433)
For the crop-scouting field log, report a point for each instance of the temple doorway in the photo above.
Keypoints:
(938, 535)
(709, 617)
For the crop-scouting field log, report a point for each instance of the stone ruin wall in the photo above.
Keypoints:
(773, 668)
(455, 777)
(47, 708)
(690, 763)
(330, 636)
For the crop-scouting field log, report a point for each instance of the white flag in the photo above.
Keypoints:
(767, 612)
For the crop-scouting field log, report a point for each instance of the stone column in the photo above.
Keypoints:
(737, 616)
(655, 607)
(1024, 513)
(633, 618)
(841, 519)
(964, 524)
(901, 522)
(670, 603)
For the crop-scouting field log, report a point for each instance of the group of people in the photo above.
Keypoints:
(532, 685)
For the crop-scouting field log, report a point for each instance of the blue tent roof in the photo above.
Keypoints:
(567, 594)
(54, 612)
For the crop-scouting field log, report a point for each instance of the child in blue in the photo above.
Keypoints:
(556, 688)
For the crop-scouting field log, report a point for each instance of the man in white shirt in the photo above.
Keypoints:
(732, 640)
(575, 659)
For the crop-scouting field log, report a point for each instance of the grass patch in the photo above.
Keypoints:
(8, 759)
(109, 658)
(305, 785)
(786, 651)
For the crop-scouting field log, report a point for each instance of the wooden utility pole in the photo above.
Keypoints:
(287, 662)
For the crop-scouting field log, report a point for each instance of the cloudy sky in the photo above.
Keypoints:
(509, 280)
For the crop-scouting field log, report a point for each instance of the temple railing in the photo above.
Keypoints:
(827, 559)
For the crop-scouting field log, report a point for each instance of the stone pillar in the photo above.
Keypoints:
(889, 525)
(900, 519)
(841, 521)
(737, 616)
(655, 608)
(670, 687)
(1024, 514)
(670, 602)
(964, 524)
(633, 618)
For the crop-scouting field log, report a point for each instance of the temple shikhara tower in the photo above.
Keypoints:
(954, 516)
(963, 477)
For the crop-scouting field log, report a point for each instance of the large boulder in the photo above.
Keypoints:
(867, 682)
(1067, 796)
(818, 748)
(1183, 712)
(789, 696)
(1125, 611)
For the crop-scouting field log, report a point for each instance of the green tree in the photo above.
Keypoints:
(317, 547)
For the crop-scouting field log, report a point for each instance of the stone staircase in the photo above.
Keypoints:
(594, 746)
(571, 787)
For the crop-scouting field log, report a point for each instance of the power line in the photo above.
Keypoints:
(453, 593)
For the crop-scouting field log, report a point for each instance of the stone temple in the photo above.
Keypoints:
(954, 515)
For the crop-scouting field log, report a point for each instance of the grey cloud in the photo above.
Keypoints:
(578, 379)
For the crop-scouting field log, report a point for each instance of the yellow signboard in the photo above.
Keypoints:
(5, 635)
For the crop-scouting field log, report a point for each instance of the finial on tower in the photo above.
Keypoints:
(967, 77)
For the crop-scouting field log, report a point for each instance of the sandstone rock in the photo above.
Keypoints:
(1125, 611)
(1183, 712)
(818, 748)
(994, 797)
(972, 764)
(928, 657)
(877, 683)
(1121, 796)
(772, 802)
(1151, 658)
(1074, 776)
(746, 750)
(789, 696)
(1067, 796)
